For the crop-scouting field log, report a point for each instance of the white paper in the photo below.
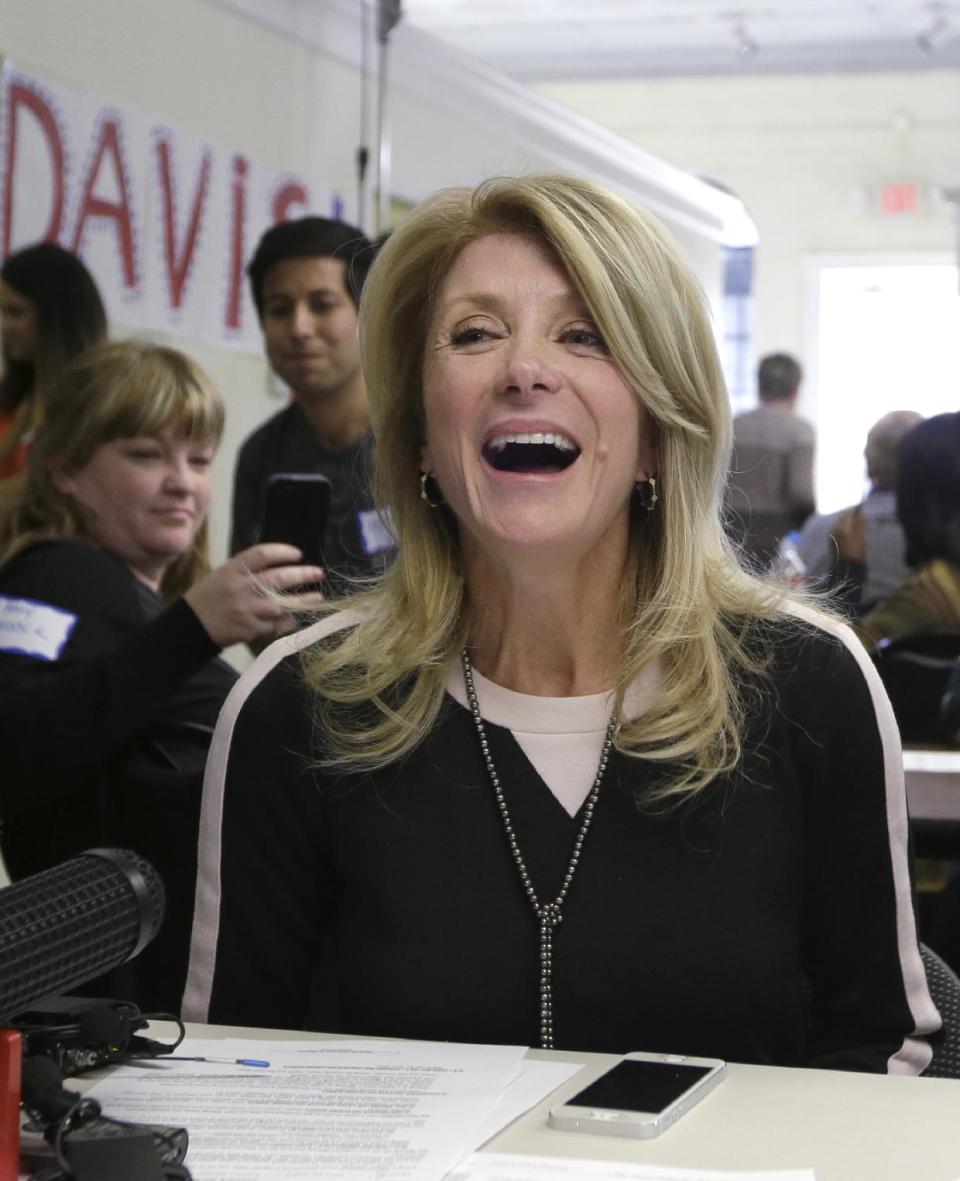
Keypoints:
(490, 1166)
(323, 1109)
(536, 1080)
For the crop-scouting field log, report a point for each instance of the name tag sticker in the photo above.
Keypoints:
(374, 532)
(33, 629)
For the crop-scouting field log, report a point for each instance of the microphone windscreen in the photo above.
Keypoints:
(69, 924)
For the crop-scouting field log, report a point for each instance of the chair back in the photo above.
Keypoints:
(944, 985)
(915, 669)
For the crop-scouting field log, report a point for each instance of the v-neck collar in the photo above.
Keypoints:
(560, 737)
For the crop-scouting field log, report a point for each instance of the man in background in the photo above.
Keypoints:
(306, 277)
(770, 490)
(871, 531)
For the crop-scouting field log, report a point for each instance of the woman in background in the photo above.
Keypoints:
(111, 626)
(928, 507)
(567, 775)
(50, 310)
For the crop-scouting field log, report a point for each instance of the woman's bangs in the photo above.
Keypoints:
(185, 408)
(197, 415)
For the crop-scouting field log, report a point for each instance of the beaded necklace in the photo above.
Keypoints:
(548, 914)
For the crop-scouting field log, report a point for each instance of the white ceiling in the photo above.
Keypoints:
(542, 39)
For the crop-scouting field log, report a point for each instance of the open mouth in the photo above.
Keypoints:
(539, 451)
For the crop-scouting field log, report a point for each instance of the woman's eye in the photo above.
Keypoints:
(473, 334)
(143, 453)
(584, 338)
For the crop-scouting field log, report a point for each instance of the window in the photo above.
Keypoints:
(884, 337)
(737, 347)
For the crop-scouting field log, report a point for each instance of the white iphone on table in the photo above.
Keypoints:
(641, 1096)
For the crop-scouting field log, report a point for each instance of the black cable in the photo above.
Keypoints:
(141, 1047)
(65, 1125)
(103, 1035)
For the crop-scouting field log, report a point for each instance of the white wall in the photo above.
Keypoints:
(801, 151)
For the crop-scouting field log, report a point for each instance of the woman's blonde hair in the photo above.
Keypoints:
(114, 391)
(689, 605)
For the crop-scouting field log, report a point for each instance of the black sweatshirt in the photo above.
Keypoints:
(108, 700)
(767, 920)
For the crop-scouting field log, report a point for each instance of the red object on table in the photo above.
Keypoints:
(9, 1105)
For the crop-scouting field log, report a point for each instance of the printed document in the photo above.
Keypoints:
(356, 1110)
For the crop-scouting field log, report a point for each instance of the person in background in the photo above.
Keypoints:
(306, 277)
(770, 490)
(568, 775)
(111, 626)
(885, 565)
(50, 310)
(926, 697)
(928, 508)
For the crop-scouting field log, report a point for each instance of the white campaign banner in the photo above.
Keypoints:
(165, 221)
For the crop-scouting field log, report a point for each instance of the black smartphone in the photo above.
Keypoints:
(295, 511)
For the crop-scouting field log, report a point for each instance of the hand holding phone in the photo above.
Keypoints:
(238, 601)
(641, 1096)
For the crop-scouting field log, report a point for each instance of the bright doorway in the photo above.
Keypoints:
(884, 334)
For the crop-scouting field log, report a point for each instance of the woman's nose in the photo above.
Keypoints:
(178, 475)
(527, 372)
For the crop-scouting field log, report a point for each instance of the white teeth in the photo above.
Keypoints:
(561, 442)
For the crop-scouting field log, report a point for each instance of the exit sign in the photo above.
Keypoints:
(899, 197)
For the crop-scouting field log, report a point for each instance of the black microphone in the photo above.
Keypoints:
(69, 924)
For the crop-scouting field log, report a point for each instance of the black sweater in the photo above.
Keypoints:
(104, 740)
(767, 920)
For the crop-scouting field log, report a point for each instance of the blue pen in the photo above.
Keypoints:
(229, 1061)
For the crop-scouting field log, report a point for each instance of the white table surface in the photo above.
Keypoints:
(846, 1126)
